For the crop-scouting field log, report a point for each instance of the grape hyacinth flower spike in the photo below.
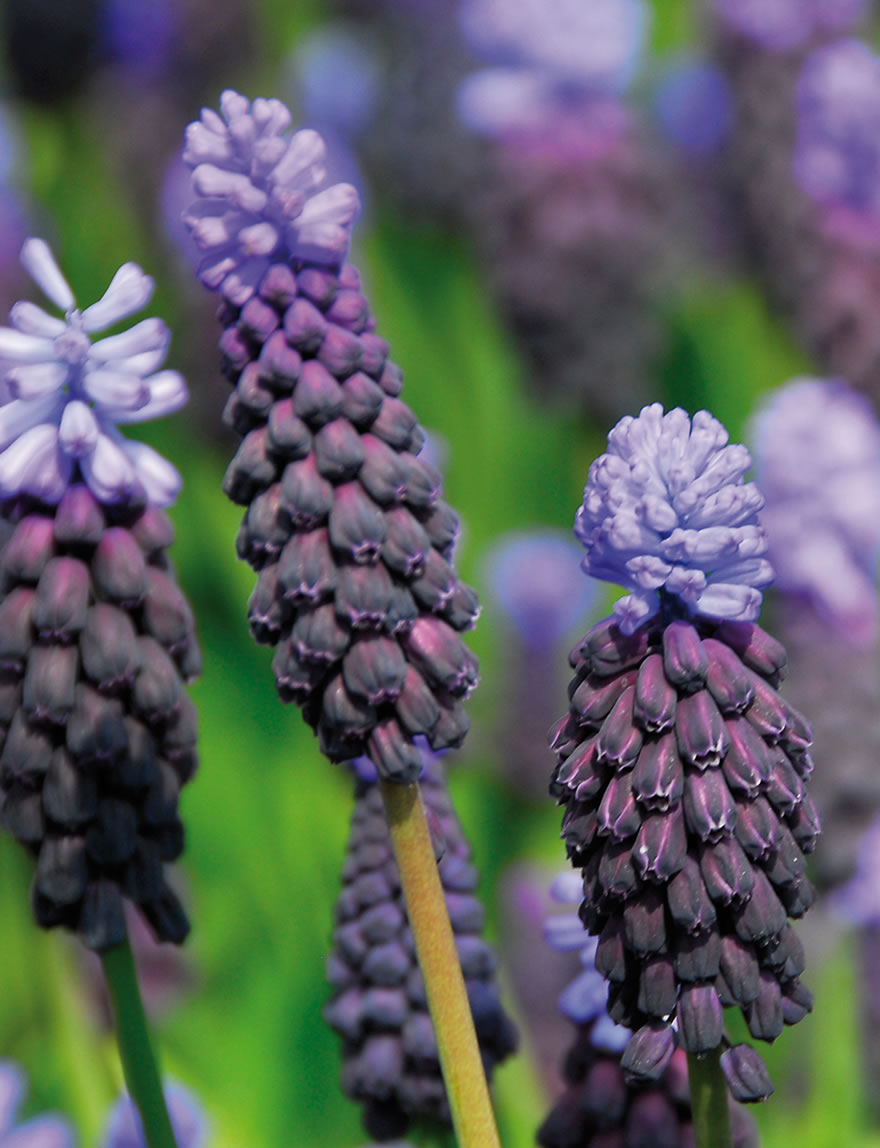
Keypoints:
(97, 734)
(680, 766)
(379, 1007)
(344, 521)
(601, 1096)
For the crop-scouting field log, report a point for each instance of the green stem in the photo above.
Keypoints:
(136, 1052)
(709, 1100)
(460, 1061)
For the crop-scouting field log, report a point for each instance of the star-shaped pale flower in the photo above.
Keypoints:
(62, 394)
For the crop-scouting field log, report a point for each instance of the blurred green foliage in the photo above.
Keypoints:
(267, 816)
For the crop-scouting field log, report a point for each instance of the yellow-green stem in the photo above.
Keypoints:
(460, 1061)
(709, 1101)
(135, 1048)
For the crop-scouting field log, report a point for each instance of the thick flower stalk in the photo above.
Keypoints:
(379, 1008)
(573, 221)
(96, 638)
(680, 767)
(601, 1097)
(344, 520)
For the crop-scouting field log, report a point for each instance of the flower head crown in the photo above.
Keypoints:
(666, 513)
(259, 195)
(63, 394)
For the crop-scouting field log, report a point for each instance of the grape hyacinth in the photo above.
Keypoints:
(601, 1097)
(781, 25)
(837, 154)
(390, 1058)
(817, 448)
(96, 638)
(344, 521)
(680, 767)
(42, 1132)
(573, 221)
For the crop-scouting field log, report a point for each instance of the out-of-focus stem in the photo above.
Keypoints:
(459, 1051)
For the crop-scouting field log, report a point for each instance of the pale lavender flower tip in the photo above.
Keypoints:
(668, 516)
(124, 1128)
(536, 580)
(259, 195)
(61, 394)
(817, 446)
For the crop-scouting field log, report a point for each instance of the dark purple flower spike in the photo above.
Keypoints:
(379, 1007)
(344, 521)
(680, 767)
(96, 639)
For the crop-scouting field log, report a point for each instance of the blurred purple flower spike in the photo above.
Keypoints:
(259, 195)
(781, 25)
(837, 155)
(43, 1132)
(535, 578)
(65, 393)
(545, 66)
(694, 107)
(140, 37)
(583, 1000)
(817, 446)
(858, 901)
(337, 72)
(667, 515)
(124, 1129)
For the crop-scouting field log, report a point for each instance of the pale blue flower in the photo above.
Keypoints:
(694, 106)
(63, 394)
(817, 449)
(667, 515)
(259, 195)
(584, 1000)
(536, 579)
(546, 60)
(124, 1128)
(42, 1132)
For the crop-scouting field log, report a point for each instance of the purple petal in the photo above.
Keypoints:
(567, 887)
(22, 348)
(585, 997)
(124, 1129)
(322, 230)
(12, 1088)
(35, 380)
(78, 432)
(158, 477)
(302, 167)
(33, 320)
(150, 335)
(116, 389)
(130, 290)
(19, 415)
(108, 472)
(39, 262)
(45, 1132)
(35, 465)
(168, 393)
(565, 932)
